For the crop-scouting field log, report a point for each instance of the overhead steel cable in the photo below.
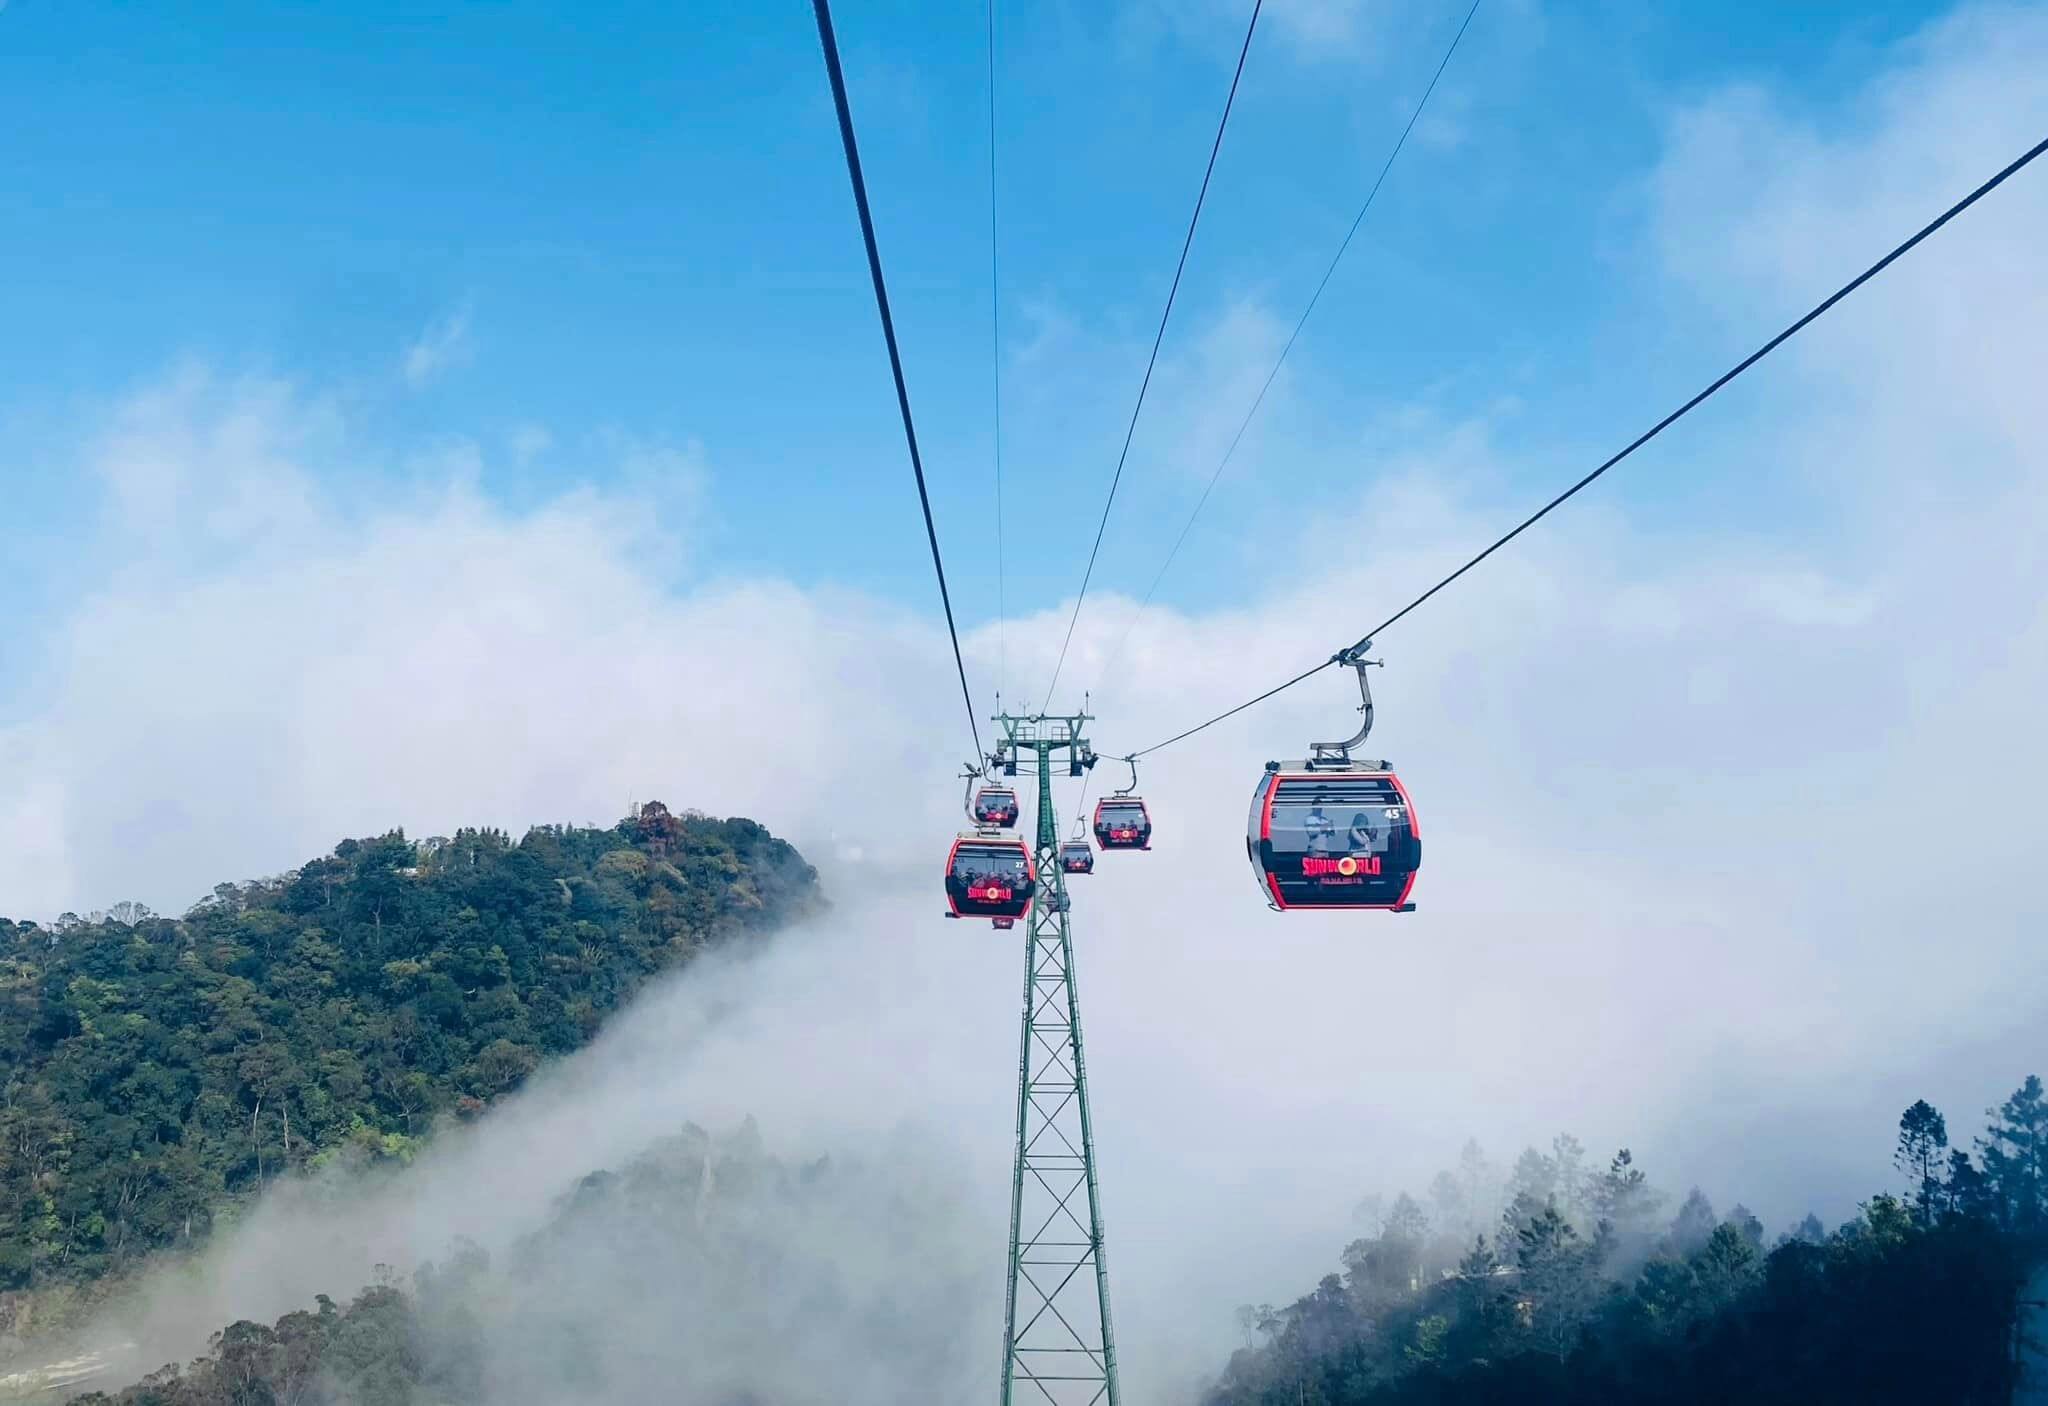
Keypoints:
(995, 323)
(1152, 361)
(1638, 442)
(823, 9)
(1294, 336)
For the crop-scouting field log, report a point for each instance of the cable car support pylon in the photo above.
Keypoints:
(1057, 1344)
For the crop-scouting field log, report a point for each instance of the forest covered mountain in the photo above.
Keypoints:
(159, 1070)
(705, 1269)
(708, 1263)
(1564, 1285)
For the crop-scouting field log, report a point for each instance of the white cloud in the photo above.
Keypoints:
(441, 345)
(1446, 123)
(1318, 26)
(1762, 212)
(1310, 29)
(528, 442)
(1723, 836)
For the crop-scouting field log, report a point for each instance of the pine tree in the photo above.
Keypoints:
(1557, 1282)
(1568, 1156)
(1923, 1143)
(1622, 1195)
(2015, 1153)
(1694, 1222)
(1480, 1183)
(1964, 1190)
(1748, 1226)
(1535, 1176)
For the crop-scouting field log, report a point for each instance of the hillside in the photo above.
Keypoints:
(1567, 1286)
(708, 1269)
(159, 1070)
(704, 1269)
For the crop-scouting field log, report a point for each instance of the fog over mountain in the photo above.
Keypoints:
(1728, 816)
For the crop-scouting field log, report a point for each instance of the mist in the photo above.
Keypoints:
(796, 1042)
(1729, 809)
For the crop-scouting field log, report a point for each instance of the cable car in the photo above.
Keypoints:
(995, 805)
(1077, 856)
(989, 876)
(1335, 832)
(1121, 821)
(1340, 835)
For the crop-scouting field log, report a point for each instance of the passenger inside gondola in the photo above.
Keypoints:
(1343, 841)
(1123, 824)
(990, 879)
(1367, 835)
(996, 807)
(1316, 827)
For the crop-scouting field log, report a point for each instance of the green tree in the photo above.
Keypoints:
(160, 1068)
(1622, 1196)
(1965, 1191)
(1694, 1223)
(1535, 1176)
(1921, 1154)
(1557, 1284)
(2015, 1155)
(1568, 1155)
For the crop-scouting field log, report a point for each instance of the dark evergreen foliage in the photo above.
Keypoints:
(159, 1069)
(1913, 1300)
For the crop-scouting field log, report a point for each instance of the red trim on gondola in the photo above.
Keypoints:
(1414, 830)
(1114, 835)
(951, 855)
(954, 853)
(1266, 835)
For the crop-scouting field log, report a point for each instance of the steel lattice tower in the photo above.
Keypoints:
(1057, 1344)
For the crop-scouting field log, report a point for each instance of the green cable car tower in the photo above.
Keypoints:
(1057, 1344)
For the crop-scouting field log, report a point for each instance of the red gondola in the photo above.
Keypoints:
(995, 805)
(989, 876)
(1121, 822)
(1339, 835)
(1077, 856)
(1333, 832)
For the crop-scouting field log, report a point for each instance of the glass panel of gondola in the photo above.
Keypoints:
(995, 805)
(1123, 824)
(1334, 840)
(989, 878)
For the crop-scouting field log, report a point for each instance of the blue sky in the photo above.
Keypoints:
(637, 218)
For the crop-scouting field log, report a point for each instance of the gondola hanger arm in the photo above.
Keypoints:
(1132, 763)
(1352, 658)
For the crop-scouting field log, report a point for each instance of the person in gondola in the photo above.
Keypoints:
(1365, 837)
(1318, 827)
